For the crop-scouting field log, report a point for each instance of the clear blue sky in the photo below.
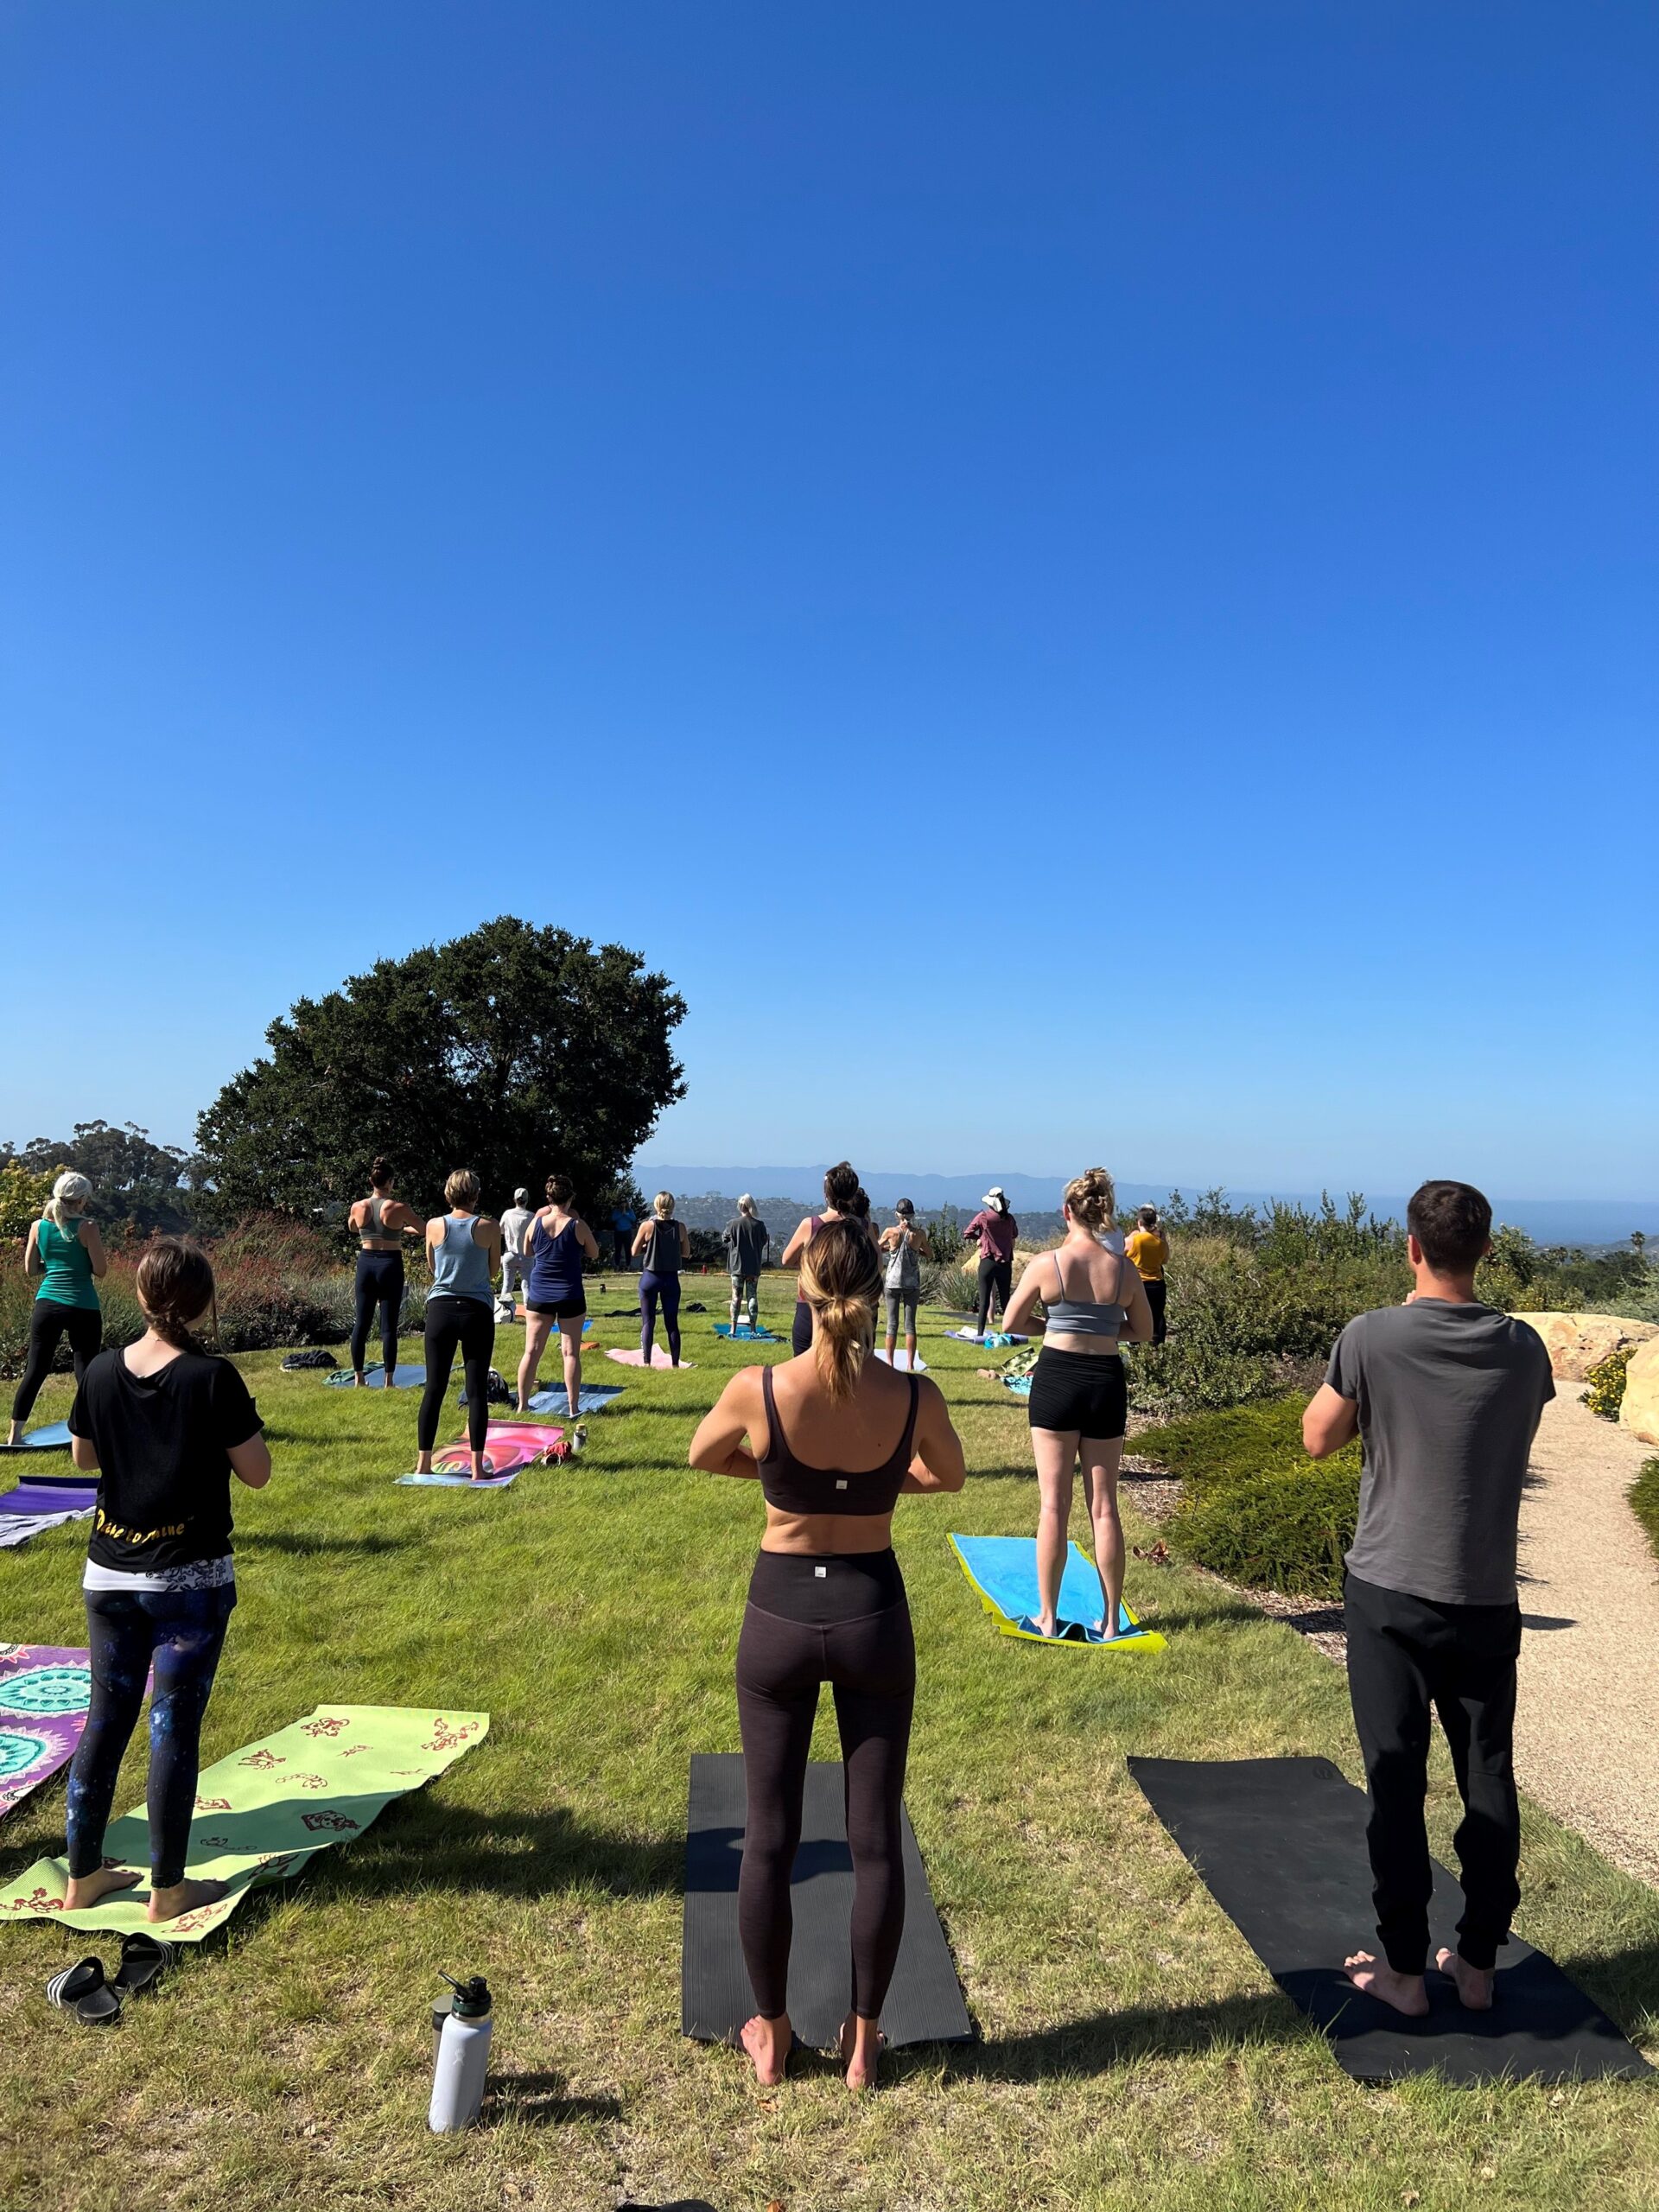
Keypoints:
(1083, 577)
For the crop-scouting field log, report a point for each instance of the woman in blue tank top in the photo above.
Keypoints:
(464, 1246)
(665, 1245)
(554, 1292)
(66, 1251)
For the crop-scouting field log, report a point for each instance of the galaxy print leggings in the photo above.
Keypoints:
(179, 1633)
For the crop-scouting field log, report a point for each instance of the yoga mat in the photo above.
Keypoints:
(19, 1528)
(30, 1497)
(1281, 1845)
(456, 1482)
(503, 1455)
(901, 1360)
(264, 1812)
(993, 1339)
(52, 1438)
(1003, 1570)
(744, 1335)
(44, 1690)
(374, 1378)
(924, 2003)
(637, 1359)
(595, 1399)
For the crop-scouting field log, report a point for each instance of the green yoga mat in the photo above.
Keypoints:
(264, 1812)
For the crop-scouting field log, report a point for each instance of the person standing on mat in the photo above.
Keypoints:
(1148, 1250)
(827, 1604)
(993, 1230)
(381, 1222)
(463, 1246)
(64, 1250)
(554, 1292)
(904, 1247)
(664, 1245)
(745, 1238)
(1079, 1398)
(1447, 1394)
(165, 1425)
(841, 1189)
(514, 1236)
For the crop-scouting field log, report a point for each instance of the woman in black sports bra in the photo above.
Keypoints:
(834, 1438)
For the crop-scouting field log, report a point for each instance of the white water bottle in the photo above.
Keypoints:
(462, 2058)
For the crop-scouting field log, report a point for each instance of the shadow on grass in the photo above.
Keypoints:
(297, 1543)
(520, 1854)
(1104, 2041)
(540, 2101)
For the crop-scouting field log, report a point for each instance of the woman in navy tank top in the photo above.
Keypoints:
(559, 1238)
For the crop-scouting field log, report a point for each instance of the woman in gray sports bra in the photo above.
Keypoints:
(1079, 1396)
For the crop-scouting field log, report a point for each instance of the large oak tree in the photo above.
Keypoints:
(511, 1051)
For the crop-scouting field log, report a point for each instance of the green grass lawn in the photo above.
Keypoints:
(1133, 2052)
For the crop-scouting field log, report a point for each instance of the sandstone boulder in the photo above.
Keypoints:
(1640, 1412)
(1578, 1342)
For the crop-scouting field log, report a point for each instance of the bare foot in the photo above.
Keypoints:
(422, 1463)
(1047, 1627)
(1474, 1983)
(1404, 1991)
(359, 1381)
(861, 2045)
(92, 1889)
(184, 1897)
(768, 2043)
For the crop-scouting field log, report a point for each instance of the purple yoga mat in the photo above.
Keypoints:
(48, 1497)
(43, 1694)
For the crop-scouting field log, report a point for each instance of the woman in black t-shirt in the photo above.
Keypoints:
(166, 1425)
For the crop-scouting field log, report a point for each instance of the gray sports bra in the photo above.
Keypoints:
(374, 1226)
(1084, 1317)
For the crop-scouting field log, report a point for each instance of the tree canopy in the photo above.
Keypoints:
(138, 1186)
(512, 1051)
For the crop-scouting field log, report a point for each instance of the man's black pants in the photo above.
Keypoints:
(1404, 1654)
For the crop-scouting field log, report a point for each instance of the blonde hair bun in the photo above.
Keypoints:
(1092, 1197)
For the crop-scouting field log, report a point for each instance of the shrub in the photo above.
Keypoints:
(1606, 1380)
(1254, 1507)
(945, 1284)
(1643, 1495)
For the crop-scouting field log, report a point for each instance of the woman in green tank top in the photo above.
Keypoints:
(66, 1251)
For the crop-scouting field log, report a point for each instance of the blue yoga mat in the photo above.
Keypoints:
(50, 1497)
(993, 1339)
(744, 1335)
(457, 1482)
(54, 1439)
(1003, 1569)
(595, 1399)
(408, 1378)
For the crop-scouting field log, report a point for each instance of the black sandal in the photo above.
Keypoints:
(82, 1990)
(144, 1959)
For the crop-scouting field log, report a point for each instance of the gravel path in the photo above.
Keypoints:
(1587, 1726)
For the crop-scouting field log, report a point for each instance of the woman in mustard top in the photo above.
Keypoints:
(66, 1251)
(1148, 1250)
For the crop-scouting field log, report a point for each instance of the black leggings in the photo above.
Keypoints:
(993, 1275)
(800, 1329)
(178, 1633)
(379, 1282)
(652, 1288)
(47, 1325)
(466, 1323)
(840, 1618)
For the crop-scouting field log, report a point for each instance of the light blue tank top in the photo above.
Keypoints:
(1083, 1317)
(460, 1267)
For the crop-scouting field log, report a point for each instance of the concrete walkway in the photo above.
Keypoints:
(1587, 1727)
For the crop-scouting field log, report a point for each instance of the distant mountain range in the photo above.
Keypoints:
(1551, 1221)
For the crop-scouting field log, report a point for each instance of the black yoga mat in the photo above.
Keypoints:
(1281, 1845)
(924, 2003)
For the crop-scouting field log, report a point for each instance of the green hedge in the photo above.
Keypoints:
(1254, 1507)
(1643, 1495)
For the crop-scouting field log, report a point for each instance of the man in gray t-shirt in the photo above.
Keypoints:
(1447, 1394)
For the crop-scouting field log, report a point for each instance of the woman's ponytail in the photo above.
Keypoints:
(174, 1284)
(71, 1195)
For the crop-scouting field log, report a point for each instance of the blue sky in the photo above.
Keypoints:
(1083, 577)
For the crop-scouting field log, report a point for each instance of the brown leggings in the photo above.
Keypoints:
(841, 1619)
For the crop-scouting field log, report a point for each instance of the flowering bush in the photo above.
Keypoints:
(1606, 1380)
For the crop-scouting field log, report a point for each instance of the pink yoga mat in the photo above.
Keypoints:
(44, 1690)
(658, 1358)
(500, 1456)
(540, 1435)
